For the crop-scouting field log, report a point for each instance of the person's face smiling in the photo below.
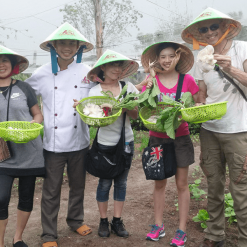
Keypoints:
(5, 66)
(211, 36)
(66, 49)
(112, 70)
(166, 57)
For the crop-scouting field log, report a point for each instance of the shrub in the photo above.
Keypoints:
(137, 124)
(194, 128)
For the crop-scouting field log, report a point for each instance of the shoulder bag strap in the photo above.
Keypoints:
(222, 74)
(123, 84)
(10, 88)
(124, 115)
(180, 85)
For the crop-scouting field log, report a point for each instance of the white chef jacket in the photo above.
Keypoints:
(64, 131)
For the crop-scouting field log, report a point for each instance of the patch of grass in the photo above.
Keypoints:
(203, 216)
(196, 172)
(144, 142)
(195, 191)
(139, 135)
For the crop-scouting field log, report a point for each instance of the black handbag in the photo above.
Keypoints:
(159, 162)
(109, 163)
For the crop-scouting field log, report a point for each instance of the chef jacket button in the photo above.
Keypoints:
(75, 126)
(55, 114)
(55, 127)
(74, 114)
(75, 86)
(55, 87)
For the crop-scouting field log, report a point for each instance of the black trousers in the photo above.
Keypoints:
(26, 193)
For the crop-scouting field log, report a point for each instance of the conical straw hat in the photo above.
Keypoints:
(184, 64)
(208, 14)
(22, 61)
(66, 31)
(112, 56)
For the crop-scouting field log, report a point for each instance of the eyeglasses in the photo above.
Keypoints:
(213, 27)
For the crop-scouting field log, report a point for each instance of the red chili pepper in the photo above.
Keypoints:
(106, 110)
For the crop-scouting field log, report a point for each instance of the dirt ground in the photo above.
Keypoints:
(138, 214)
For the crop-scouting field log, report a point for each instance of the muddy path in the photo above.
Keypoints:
(137, 215)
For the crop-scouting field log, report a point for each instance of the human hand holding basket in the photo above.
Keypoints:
(99, 101)
(168, 119)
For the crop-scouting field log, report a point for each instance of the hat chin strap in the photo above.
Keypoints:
(54, 55)
(14, 71)
(196, 43)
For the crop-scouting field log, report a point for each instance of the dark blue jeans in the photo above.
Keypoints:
(26, 192)
(120, 183)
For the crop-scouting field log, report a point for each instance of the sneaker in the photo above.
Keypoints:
(156, 233)
(20, 244)
(118, 228)
(103, 230)
(179, 239)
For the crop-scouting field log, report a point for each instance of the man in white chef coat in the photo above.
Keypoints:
(66, 137)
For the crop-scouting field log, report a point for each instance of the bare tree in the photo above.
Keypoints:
(116, 17)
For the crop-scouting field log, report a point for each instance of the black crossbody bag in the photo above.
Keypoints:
(159, 162)
(109, 163)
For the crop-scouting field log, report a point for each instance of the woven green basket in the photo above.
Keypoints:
(98, 122)
(19, 131)
(145, 113)
(203, 113)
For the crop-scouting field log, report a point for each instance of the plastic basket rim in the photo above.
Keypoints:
(98, 97)
(39, 127)
(159, 103)
(204, 106)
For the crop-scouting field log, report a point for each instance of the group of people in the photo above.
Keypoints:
(66, 138)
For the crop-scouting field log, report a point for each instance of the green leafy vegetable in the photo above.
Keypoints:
(108, 94)
(187, 99)
(168, 119)
(202, 217)
(147, 98)
(124, 90)
(170, 123)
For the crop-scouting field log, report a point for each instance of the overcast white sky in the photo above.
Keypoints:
(41, 17)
